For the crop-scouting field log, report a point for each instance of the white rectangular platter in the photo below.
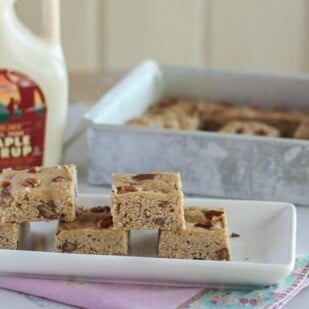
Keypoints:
(263, 254)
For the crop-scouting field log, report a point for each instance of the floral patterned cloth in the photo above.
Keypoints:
(274, 296)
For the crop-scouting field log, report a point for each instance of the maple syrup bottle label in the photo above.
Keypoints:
(22, 121)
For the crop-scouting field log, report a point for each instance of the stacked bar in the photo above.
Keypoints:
(147, 201)
(36, 194)
(139, 202)
(46, 194)
(155, 201)
(204, 238)
(91, 233)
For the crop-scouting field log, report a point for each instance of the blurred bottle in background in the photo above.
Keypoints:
(33, 89)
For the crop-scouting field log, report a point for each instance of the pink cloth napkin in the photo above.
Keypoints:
(101, 295)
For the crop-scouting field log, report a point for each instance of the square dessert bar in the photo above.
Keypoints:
(205, 237)
(172, 114)
(12, 235)
(91, 233)
(250, 128)
(38, 194)
(147, 201)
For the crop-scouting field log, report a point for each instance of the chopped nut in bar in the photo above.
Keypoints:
(204, 238)
(91, 233)
(12, 235)
(38, 194)
(147, 201)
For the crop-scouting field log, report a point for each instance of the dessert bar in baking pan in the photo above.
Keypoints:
(211, 163)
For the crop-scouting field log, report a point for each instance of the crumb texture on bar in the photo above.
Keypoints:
(205, 237)
(38, 194)
(12, 235)
(147, 201)
(91, 233)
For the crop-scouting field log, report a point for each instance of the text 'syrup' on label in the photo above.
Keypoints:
(22, 121)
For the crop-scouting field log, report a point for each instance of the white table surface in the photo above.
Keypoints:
(77, 153)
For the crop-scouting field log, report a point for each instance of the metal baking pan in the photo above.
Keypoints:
(211, 164)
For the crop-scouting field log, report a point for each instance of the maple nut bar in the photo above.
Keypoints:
(302, 131)
(171, 114)
(38, 194)
(12, 235)
(250, 128)
(91, 233)
(147, 201)
(205, 237)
